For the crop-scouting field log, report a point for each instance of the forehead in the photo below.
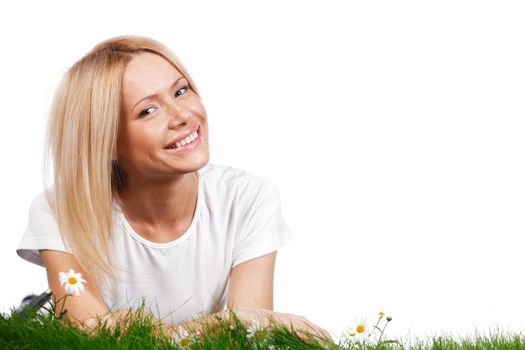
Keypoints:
(147, 74)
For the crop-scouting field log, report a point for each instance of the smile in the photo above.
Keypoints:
(186, 144)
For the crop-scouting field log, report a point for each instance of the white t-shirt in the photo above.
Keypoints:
(237, 218)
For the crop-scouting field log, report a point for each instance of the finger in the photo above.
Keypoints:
(323, 336)
(312, 331)
(327, 335)
(318, 330)
(308, 337)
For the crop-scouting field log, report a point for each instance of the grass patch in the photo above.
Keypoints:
(139, 331)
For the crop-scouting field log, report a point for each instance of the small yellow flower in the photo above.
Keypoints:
(381, 314)
(72, 282)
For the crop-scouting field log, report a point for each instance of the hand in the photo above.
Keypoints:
(295, 322)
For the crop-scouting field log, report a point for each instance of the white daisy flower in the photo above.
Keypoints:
(72, 282)
(253, 327)
(255, 330)
(181, 337)
(359, 332)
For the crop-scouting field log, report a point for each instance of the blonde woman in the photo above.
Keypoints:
(137, 208)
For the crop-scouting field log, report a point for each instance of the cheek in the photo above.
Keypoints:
(197, 108)
(138, 140)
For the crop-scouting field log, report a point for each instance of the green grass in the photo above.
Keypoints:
(41, 331)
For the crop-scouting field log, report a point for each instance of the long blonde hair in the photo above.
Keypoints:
(81, 141)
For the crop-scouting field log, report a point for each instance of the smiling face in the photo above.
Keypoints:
(158, 106)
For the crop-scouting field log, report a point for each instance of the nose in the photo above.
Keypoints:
(178, 114)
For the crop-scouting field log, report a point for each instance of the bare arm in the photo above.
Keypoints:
(251, 283)
(251, 296)
(88, 304)
(85, 310)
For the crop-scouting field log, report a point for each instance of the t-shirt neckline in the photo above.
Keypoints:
(189, 232)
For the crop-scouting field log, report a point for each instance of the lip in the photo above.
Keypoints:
(186, 148)
(183, 136)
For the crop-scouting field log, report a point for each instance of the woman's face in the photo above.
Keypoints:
(158, 107)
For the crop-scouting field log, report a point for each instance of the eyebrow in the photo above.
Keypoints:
(155, 95)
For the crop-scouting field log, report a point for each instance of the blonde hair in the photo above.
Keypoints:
(82, 140)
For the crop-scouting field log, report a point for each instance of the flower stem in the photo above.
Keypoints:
(382, 333)
(378, 324)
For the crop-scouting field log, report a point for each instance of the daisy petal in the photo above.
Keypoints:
(72, 282)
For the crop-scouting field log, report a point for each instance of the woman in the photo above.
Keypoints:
(137, 208)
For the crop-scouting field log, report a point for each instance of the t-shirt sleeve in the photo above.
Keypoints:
(41, 232)
(263, 229)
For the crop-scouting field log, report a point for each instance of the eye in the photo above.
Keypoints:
(185, 88)
(144, 112)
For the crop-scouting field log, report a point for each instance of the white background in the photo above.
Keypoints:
(394, 131)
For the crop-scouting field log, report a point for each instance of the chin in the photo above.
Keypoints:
(199, 161)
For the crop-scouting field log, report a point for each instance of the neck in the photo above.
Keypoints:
(160, 205)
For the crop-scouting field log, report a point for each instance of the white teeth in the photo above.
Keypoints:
(187, 140)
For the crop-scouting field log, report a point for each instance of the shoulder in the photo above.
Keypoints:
(241, 188)
(41, 231)
(40, 206)
(232, 177)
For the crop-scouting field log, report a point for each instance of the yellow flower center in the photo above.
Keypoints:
(184, 341)
(352, 334)
(381, 314)
(72, 280)
(360, 328)
(259, 335)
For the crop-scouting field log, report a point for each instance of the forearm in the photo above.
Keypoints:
(213, 321)
(109, 320)
(196, 326)
(219, 319)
